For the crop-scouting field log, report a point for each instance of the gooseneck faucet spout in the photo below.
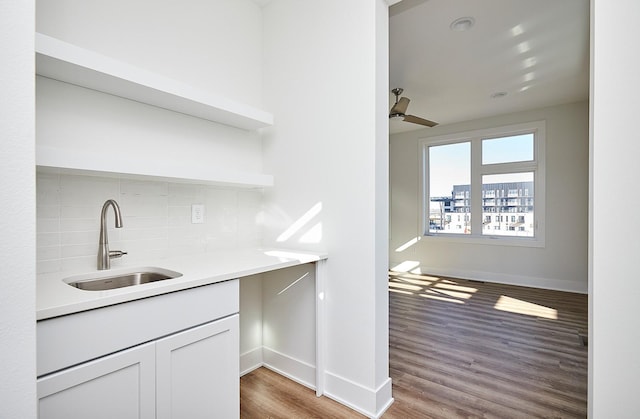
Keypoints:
(104, 255)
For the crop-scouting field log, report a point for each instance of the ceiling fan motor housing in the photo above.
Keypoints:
(399, 109)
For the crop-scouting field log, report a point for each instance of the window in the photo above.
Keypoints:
(497, 171)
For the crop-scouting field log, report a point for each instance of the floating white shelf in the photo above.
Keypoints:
(69, 63)
(55, 160)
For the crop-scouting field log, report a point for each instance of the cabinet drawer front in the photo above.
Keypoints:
(116, 386)
(76, 338)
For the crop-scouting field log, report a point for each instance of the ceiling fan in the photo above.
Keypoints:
(400, 107)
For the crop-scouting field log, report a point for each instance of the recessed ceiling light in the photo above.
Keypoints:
(462, 24)
(498, 95)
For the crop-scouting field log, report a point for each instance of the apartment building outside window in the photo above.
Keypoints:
(493, 180)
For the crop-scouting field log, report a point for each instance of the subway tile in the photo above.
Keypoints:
(156, 219)
(48, 239)
(144, 206)
(138, 187)
(144, 222)
(47, 225)
(140, 246)
(143, 233)
(80, 224)
(48, 211)
(185, 194)
(82, 211)
(47, 253)
(79, 264)
(221, 199)
(47, 189)
(180, 210)
(145, 257)
(179, 221)
(70, 238)
(87, 190)
(76, 250)
(48, 266)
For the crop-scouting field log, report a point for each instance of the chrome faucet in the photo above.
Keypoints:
(104, 254)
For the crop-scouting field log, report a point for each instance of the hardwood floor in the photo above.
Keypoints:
(266, 394)
(461, 349)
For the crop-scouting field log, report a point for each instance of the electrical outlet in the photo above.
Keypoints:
(197, 214)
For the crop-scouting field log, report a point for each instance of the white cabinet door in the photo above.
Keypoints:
(197, 372)
(120, 386)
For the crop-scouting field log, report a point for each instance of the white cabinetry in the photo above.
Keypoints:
(197, 372)
(171, 356)
(115, 386)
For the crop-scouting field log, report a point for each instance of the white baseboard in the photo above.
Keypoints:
(581, 287)
(367, 401)
(250, 360)
(294, 369)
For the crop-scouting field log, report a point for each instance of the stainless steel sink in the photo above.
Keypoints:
(102, 281)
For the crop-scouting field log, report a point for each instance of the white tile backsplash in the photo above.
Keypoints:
(156, 219)
(48, 239)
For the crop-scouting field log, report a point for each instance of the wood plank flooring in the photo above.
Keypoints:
(461, 349)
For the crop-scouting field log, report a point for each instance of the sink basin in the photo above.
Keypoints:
(108, 280)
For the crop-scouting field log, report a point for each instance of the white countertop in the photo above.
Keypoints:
(55, 298)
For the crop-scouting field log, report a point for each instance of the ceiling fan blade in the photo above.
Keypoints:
(400, 108)
(418, 120)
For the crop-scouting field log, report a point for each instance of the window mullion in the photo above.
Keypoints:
(476, 187)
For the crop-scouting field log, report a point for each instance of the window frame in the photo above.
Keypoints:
(478, 170)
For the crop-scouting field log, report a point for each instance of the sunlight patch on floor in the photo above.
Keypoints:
(455, 287)
(513, 305)
(400, 291)
(431, 287)
(405, 286)
(435, 296)
(407, 275)
(450, 293)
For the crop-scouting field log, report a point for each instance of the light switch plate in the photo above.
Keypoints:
(197, 214)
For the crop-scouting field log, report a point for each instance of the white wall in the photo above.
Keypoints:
(561, 264)
(215, 46)
(17, 212)
(212, 45)
(289, 326)
(277, 323)
(105, 127)
(614, 334)
(326, 81)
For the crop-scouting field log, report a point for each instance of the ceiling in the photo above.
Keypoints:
(535, 51)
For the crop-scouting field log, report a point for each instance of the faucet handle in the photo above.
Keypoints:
(116, 254)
